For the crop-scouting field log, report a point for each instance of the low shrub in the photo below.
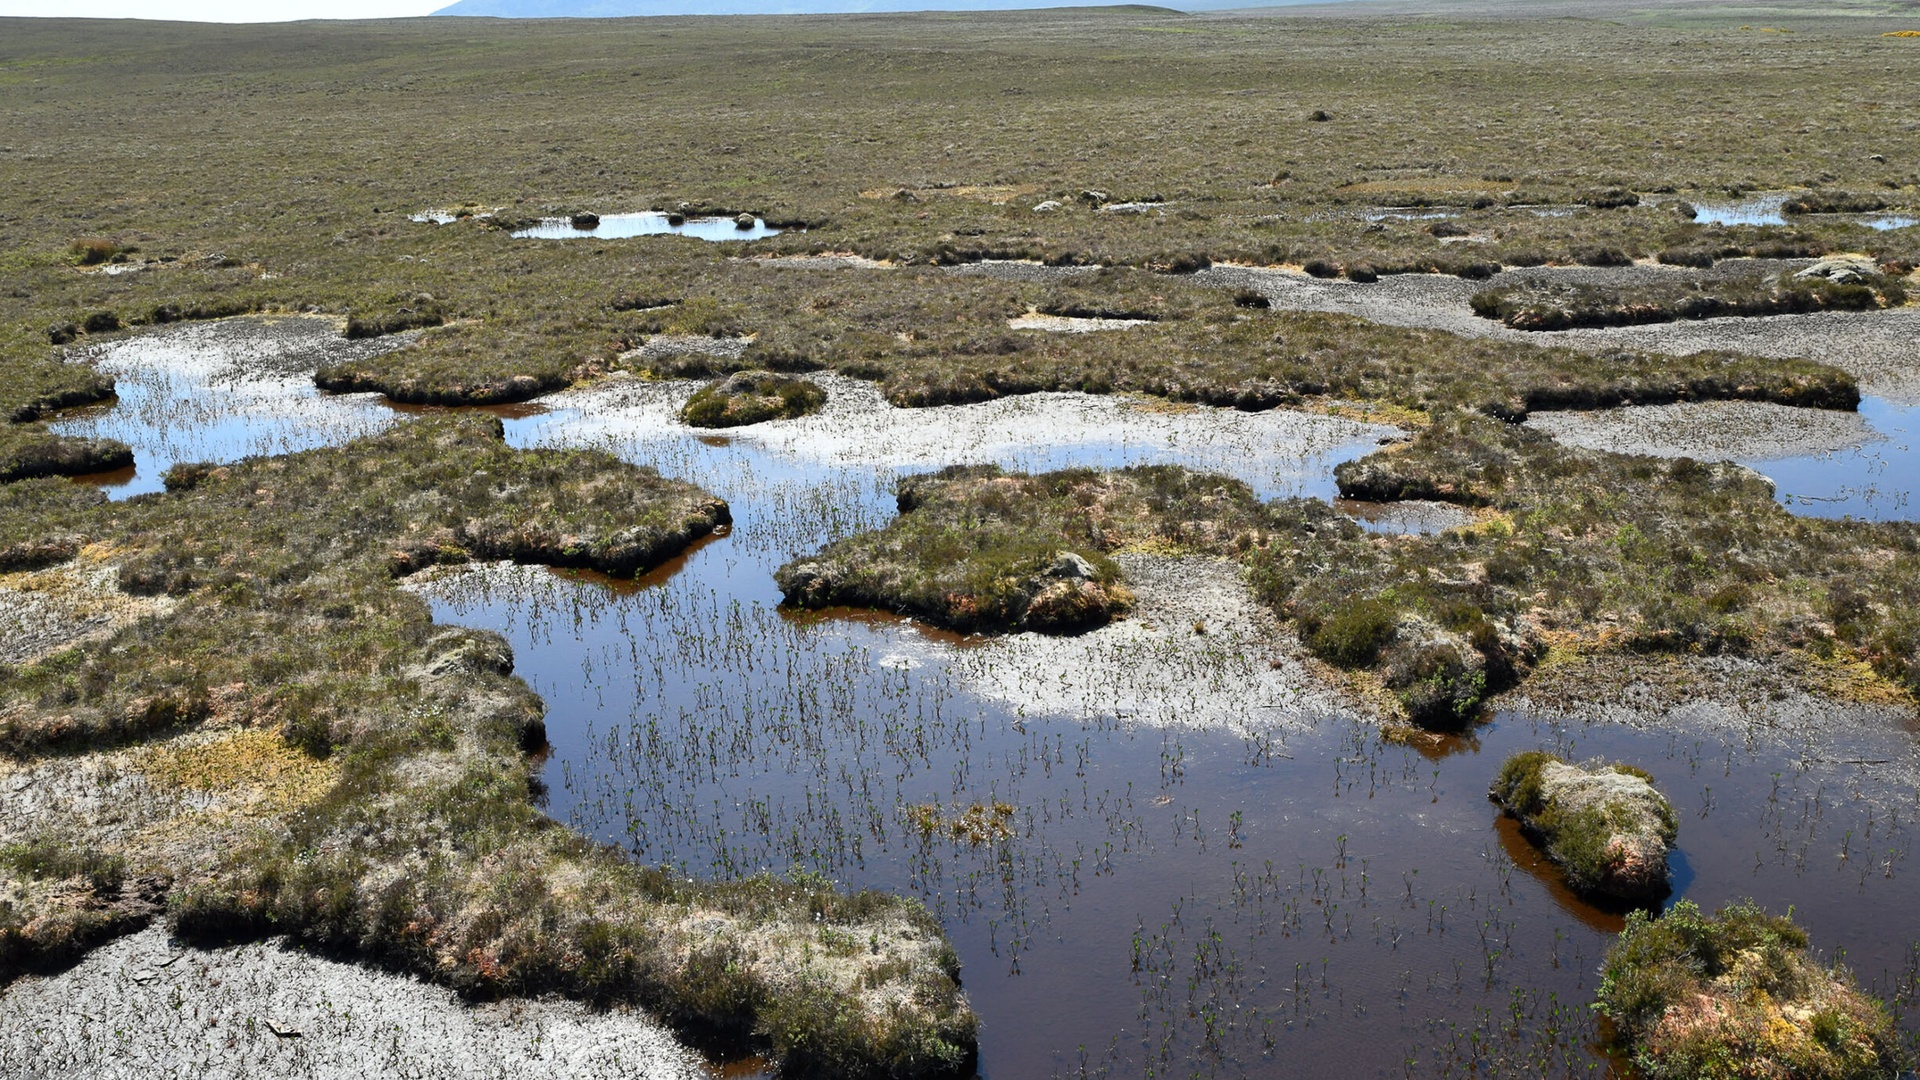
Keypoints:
(92, 250)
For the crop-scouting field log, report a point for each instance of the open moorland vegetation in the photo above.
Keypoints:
(308, 754)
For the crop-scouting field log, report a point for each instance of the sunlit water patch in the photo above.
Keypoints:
(621, 226)
(1411, 213)
(1417, 517)
(858, 435)
(1770, 209)
(1875, 480)
(1753, 210)
(1888, 222)
(224, 390)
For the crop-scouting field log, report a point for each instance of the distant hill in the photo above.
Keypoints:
(615, 9)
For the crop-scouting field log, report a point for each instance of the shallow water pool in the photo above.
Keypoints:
(621, 226)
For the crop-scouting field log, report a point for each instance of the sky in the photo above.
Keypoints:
(223, 10)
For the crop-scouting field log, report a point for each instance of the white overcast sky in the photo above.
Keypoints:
(223, 10)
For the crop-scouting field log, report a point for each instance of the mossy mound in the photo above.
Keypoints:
(751, 397)
(979, 548)
(1605, 825)
(36, 386)
(28, 450)
(1737, 994)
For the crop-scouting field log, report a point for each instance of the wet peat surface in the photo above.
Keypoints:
(1158, 848)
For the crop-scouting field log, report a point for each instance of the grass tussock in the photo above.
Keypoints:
(45, 521)
(28, 451)
(60, 897)
(1737, 994)
(1606, 826)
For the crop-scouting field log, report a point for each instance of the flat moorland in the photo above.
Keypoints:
(310, 755)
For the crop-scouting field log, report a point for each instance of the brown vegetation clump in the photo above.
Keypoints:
(1561, 307)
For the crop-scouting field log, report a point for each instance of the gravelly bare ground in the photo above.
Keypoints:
(1710, 430)
(145, 1008)
(1876, 347)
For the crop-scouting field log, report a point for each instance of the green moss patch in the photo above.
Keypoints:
(1736, 994)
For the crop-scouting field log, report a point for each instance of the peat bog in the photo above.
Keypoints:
(1238, 475)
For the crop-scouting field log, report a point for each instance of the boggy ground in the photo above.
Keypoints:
(286, 744)
(1171, 141)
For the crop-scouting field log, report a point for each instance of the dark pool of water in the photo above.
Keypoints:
(1873, 482)
(619, 226)
(1172, 900)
